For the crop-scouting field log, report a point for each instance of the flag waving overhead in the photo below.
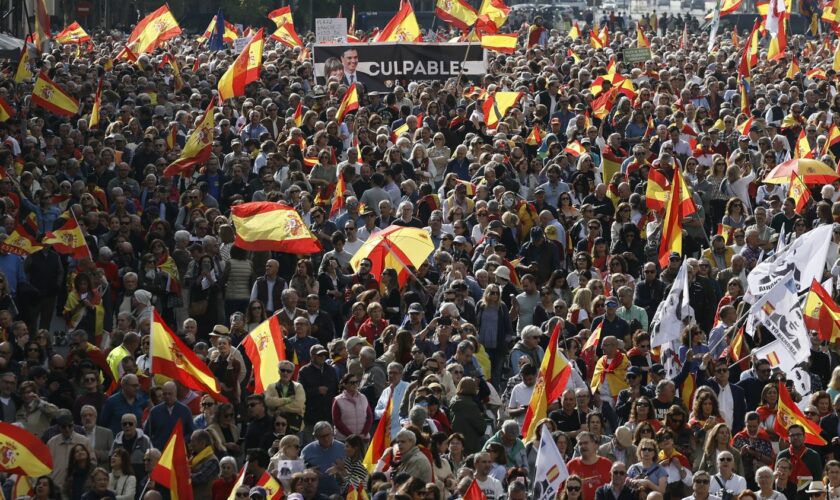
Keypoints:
(402, 27)
(23, 240)
(349, 103)
(672, 224)
(550, 468)
(152, 30)
(72, 34)
(69, 240)
(53, 98)
(554, 373)
(265, 348)
(287, 35)
(23, 72)
(496, 107)
(491, 16)
(458, 13)
(173, 468)
(244, 70)
(799, 192)
(264, 226)
(23, 453)
(42, 24)
(173, 359)
(281, 16)
(197, 148)
(821, 313)
(667, 322)
(228, 36)
(6, 110)
(788, 414)
(641, 38)
(504, 43)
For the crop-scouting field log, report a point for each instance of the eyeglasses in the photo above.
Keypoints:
(701, 481)
(286, 370)
(572, 488)
(649, 449)
(208, 404)
(725, 459)
(128, 424)
(619, 472)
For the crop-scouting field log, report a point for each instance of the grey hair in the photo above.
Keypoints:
(396, 366)
(662, 385)
(418, 416)
(182, 236)
(407, 434)
(530, 331)
(367, 352)
(228, 460)
(762, 470)
(464, 345)
(516, 487)
(322, 426)
(511, 427)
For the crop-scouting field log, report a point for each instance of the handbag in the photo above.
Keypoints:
(198, 307)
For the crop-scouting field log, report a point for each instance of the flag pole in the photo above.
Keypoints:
(466, 54)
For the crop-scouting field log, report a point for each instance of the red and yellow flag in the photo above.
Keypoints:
(338, 200)
(778, 43)
(23, 72)
(230, 31)
(802, 148)
(744, 127)
(281, 16)
(595, 40)
(402, 27)
(739, 350)
(69, 240)
(458, 13)
(535, 137)
(575, 148)
(381, 439)
(172, 358)
(197, 148)
(126, 54)
(788, 413)
(176, 70)
(23, 453)
(593, 340)
(72, 34)
(351, 29)
(821, 313)
(551, 382)
(793, 69)
(504, 43)
(672, 224)
(298, 115)
(53, 98)
(43, 31)
(799, 192)
(173, 468)
(153, 30)
(725, 231)
(496, 106)
(574, 31)
(833, 138)
(244, 70)
(268, 226)
(727, 7)
(474, 492)
(96, 111)
(349, 103)
(287, 35)
(641, 38)
(265, 348)
(24, 239)
(6, 110)
(491, 16)
(817, 74)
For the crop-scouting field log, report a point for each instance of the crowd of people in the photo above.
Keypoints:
(529, 239)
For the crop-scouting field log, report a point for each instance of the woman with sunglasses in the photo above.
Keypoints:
(646, 474)
(224, 432)
(351, 413)
(572, 491)
(718, 441)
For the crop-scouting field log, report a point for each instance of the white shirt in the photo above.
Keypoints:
(520, 396)
(735, 483)
(726, 404)
(353, 246)
(492, 488)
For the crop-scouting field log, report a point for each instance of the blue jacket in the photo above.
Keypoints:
(116, 406)
(160, 423)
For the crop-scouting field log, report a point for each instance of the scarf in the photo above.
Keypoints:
(797, 466)
(201, 456)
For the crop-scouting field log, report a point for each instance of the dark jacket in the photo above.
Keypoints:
(468, 419)
(739, 403)
(161, 423)
(649, 295)
(606, 492)
(318, 406)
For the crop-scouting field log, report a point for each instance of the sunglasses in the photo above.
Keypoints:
(572, 488)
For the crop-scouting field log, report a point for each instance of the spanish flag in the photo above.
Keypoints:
(298, 115)
(817, 74)
(42, 24)
(287, 35)
(469, 185)
(744, 127)
(491, 16)
(595, 40)
(672, 224)
(593, 340)
(267, 226)
(641, 38)
(173, 468)
(402, 27)
(833, 138)
(802, 148)
(72, 34)
(265, 348)
(281, 16)
(356, 493)
(505, 44)
(240, 479)
(778, 43)
(197, 148)
(171, 138)
(23, 453)
(553, 376)
(23, 72)
(725, 231)
(172, 358)
(727, 7)
(176, 71)
(96, 111)
(575, 148)
(53, 98)
(22, 487)
(229, 36)
(349, 103)
(272, 486)
(154, 29)
(6, 110)
(69, 240)
(126, 54)
(244, 70)
(458, 13)
(799, 192)
(381, 439)
(821, 313)
(497, 105)
(793, 69)
(573, 55)
(574, 31)
(534, 138)
(788, 413)
(338, 201)
(24, 239)
(739, 350)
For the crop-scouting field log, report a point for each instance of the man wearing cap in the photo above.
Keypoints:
(629, 395)
(321, 384)
(287, 398)
(610, 323)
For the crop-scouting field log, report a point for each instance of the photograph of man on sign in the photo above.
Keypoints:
(350, 59)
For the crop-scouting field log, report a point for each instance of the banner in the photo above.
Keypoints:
(381, 66)
(667, 322)
(778, 310)
(331, 30)
(805, 258)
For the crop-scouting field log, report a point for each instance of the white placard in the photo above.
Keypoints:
(331, 30)
(240, 43)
